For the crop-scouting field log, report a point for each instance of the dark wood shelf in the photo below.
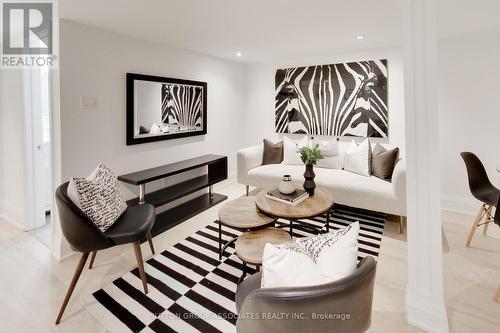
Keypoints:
(176, 191)
(216, 171)
(184, 211)
(149, 175)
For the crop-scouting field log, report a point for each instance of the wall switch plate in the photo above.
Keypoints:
(88, 102)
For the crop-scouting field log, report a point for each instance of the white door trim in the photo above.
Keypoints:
(28, 151)
(37, 173)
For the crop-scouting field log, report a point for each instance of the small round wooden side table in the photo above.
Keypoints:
(319, 204)
(250, 245)
(243, 215)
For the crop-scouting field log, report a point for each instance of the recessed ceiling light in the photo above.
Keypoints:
(360, 37)
(238, 54)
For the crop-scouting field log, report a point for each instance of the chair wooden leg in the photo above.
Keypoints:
(150, 241)
(487, 220)
(76, 276)
(247, 189)
(477, 220)
(496, 297)
(92, 258)
(140, 265)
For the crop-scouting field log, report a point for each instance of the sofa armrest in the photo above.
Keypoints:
(248, 159)
(399, 181)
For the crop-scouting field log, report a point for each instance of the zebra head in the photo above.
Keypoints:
(348, 99)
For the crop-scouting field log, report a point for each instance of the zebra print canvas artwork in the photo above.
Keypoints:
(348, 99)
(161, 108)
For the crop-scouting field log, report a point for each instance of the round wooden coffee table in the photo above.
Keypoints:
(319, 204)
(243, 215)
(250, 245)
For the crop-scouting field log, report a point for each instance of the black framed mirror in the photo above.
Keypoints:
(162, 108)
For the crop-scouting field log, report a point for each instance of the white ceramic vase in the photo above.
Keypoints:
(286, 185)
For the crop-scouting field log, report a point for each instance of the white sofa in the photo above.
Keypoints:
(347, 188)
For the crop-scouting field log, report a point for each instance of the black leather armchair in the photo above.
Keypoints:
(84, 236)
(341, 306)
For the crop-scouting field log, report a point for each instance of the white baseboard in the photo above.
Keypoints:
(12, 214)
(427, 315)
(461, 205)
(230, 179)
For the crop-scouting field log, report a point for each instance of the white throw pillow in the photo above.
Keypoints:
(330, 152)
(357, 159)
(155, 129)
(311, 260)
(98, 196)
(290, 147)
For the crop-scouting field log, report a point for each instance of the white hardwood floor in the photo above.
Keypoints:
(33, 284)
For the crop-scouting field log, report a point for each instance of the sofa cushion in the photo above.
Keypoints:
(357, 158)
(272, 152)
(330, 151)
(347, 188)
(383, 161)
(290, 147)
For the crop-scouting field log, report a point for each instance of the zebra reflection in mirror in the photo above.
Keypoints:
(167, 108)
(182, 106)
(341, 100)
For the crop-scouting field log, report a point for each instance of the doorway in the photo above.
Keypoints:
(38, 145)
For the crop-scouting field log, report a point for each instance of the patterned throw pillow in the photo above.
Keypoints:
(98, 196)
(311, 260)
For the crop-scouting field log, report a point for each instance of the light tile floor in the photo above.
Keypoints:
(33, 284)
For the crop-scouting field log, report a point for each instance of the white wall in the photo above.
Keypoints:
(259, 118)
(12, 180)
(94, 63)
(469, 115)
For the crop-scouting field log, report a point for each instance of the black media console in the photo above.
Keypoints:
(217, 171)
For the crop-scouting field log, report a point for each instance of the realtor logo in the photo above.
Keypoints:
(27, 33)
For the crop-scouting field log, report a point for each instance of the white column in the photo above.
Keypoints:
(424, 295)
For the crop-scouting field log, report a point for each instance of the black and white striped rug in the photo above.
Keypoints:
(191, 291)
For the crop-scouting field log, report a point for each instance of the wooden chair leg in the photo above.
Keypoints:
(496, 297)
(487, 220)
(247, 189)
(92, 258)
(477, 220)
(140, 265)
(150, 241)
(76, 276)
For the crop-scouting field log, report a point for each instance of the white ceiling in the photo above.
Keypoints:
(266, 30)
